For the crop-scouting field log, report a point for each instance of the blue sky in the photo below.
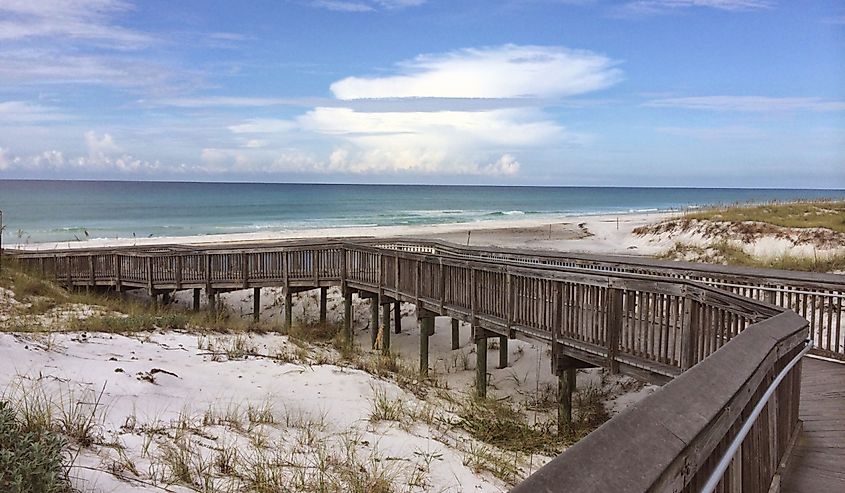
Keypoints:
(739, 93)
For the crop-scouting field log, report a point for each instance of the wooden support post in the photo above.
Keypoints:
(397, 317)
(196, 306)
(426, 329)
(565, 387)
(503, 351)
(456, 334)
(324, 295)
(209, 293)
(385, 329)
(374, 325)
(288, 309)
(347, 314)
(480, 362)
(256, 304)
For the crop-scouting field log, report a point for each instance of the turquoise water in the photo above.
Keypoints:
(43, 211)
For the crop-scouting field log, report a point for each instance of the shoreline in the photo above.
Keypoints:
(585, 232)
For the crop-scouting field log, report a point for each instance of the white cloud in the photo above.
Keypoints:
(731, 132)
(474, 140)
(99, 148)
(657, 6)
(507, 71)
(47, 66)
(365, 5)
(510, 127)
(53, 160)
(222, 101)
(24, 112)
(262, 126)
(748, 103)
(446, 142)
(72, 19)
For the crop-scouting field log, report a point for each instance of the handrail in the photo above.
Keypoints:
(818, 297)
(724, 462)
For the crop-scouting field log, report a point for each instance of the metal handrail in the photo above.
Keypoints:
(724, 462)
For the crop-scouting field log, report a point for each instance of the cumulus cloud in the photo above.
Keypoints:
(759, 104)
(480, 140)
(99, 148)
(494, 72)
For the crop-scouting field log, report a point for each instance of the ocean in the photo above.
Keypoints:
(51, 211)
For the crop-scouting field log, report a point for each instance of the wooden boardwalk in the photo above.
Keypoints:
(719, 336)
(818, 463)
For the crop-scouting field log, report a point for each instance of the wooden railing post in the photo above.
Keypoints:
(442, 283)
(689, 332)
(285, 270)
(178, 271)
(118, 275)
(509, 300)
(150, 288)
(68, 273)
(614, 326)
(396, 280)
(557, 322)
(417, 283)
(207, 273)
(343, 270)
(473, 300)
(93, 279)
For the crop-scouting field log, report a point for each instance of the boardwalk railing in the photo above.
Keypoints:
(672, 440)
(717, 349)
(818, 297)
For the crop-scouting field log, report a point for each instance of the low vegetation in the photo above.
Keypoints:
(815, 228)
(803, 214)
(33, 455)
(724, 253)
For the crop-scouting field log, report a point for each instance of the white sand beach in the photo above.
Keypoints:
(588, 233)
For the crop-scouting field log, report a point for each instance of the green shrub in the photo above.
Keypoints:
(30, 461)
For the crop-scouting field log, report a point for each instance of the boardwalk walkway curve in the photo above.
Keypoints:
(643, 318)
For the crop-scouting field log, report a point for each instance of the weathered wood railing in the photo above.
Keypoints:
(718, 348)
(672, 440)
(818, 297)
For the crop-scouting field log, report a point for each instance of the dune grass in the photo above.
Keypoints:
(722, 252)
(801, 214)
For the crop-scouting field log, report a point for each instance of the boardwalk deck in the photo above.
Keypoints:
(818, 463)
